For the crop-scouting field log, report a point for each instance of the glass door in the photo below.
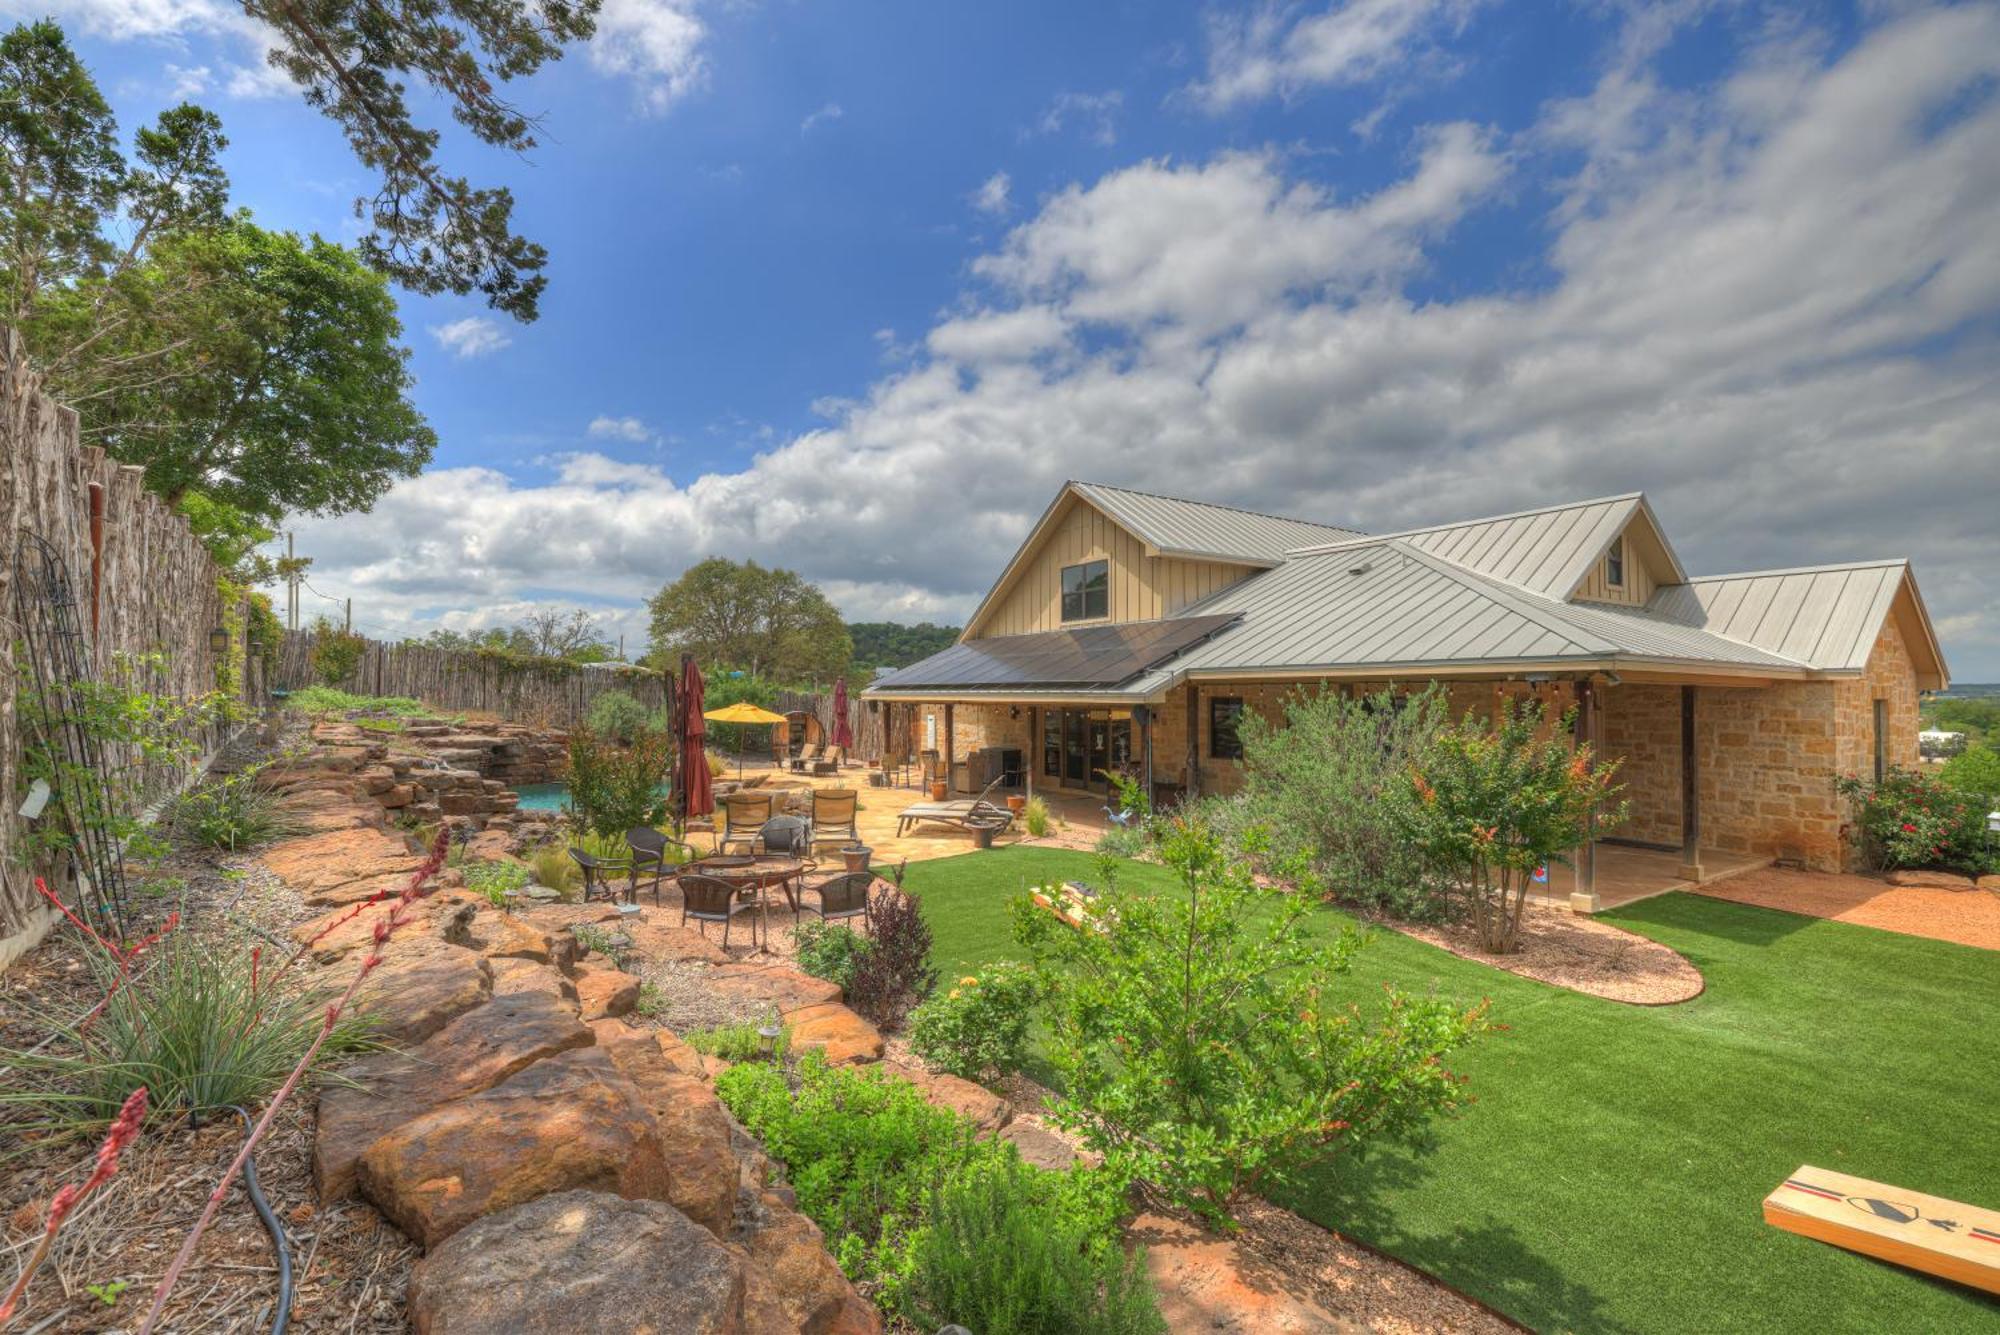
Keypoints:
(1100, 751)
(1052, 743)
(1076, 760)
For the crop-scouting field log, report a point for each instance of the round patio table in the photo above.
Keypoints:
(755, 873)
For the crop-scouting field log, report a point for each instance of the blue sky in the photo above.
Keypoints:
(853, 288)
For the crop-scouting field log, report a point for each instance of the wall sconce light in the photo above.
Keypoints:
(1013, 711)
(218, 641)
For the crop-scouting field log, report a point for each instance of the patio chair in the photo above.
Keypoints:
(832, 763)
(597, 876)
(833, 815)
(980, 815)
(709, 899)
(844, 896)
(650, 853)
(808, 758)
(790, 837)
(746, 813)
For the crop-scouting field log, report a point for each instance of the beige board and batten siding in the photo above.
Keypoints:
(1634, 592)
(1142, 587)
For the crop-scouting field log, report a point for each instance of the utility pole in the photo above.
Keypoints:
(349, 626)
(291, 587)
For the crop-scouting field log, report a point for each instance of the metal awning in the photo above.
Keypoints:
(1088, 658)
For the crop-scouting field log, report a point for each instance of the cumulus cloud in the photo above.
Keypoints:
(605, 427)
(832, 111)
(656, 44)
(1770, 303)
(474, 336)
(1279, 52)
(991, 196)
(241, 44)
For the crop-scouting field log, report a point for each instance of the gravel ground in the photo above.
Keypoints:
(1969, 917)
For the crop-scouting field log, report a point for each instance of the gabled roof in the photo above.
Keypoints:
(1549, 551)
(1174, 527)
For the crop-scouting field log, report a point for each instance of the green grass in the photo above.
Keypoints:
(1611, 1174)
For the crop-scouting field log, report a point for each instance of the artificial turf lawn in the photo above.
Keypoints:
(1610, 1176)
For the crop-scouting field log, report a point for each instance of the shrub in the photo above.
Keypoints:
(830, 951)
(1122, 841)
(1492, 803)
(495, 879)
(200, 1026)
(1197, 1042)
(335, 652)
(613, 788)
(1975, 770)
(978, 1026)
(552, 866)
(895, 973)
(1912, 819)
(231, 813)
(717, 766)
(738, 1042)
(1035, 817)
(618, 716)
(1004, 1251)
(1319, 783)
(321, 699)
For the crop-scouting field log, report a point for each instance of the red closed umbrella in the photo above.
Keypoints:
(843, 736)
(697, 795)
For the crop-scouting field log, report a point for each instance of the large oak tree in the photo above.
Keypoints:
(766, 621)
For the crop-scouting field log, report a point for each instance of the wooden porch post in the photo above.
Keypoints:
(1690, 792)
(1194, 741)
(1584, 898)
(948, 789)
(1031, 756)
(1145, 713)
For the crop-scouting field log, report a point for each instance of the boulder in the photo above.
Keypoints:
(694, 1129)
(602, 993)
(518, 975)
(977, 1104)
(580, 1261)
(1922, 879)
(336, 934)
(489, 846)
(792, 1282)
(421, 989)
(325, 861)
(569, 1122)
(756, 988)
(1207, 1283)
(1040, 1147)
(501, 935)
(831, 1028)
(354, 892)
(473, 1053)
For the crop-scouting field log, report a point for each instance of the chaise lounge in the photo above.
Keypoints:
(980, 815)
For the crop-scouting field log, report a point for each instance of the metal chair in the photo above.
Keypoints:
(709, 899)
(649, 853)
(790, 837)
(845, 896)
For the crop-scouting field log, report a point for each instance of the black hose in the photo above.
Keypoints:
(271, 1225)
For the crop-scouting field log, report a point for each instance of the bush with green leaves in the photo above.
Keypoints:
(321, 699)
(621, 718)
(335, 652)
(1975, 770)
(494, 880)
(738, 1042)
(1122, 841)
(980, 1025)
(614, 788)
(1491, 802)
(1198, 1041)
(894, 974)
(552, 866)
(1009, 1247)
(1319, 782)
(230, 813)
(1914, 819)
(830, 951)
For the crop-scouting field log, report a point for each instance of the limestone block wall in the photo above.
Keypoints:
(1890, 677)
(1642, 730)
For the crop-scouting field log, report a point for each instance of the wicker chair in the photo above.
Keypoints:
(709, 899)
(746, 813)
(845, 896)
(598, 873)
(833, 815)
(651, 854)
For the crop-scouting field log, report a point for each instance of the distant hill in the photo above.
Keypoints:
(889, 644)
(1970, 690)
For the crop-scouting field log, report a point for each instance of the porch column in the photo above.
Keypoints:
(1031, 755)
(1690, 792)
(1145, 713)
(1584, 898)
(1194, 741)
(948, 788)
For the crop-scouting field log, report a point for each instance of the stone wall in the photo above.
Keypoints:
(1891, 678)
(156, 594)
(1642, 730)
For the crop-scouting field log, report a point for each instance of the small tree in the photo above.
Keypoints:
(335, 653)
(1198, 1041)
(614, 788)
(1495, 802)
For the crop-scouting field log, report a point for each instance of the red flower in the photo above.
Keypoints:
(1909, 829)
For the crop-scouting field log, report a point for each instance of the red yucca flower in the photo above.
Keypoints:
(124, 1130)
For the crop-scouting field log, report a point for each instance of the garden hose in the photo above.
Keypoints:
(271, 1225)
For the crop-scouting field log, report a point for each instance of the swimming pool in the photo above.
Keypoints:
(555, 796)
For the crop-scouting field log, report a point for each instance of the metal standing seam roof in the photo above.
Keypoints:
(1195, 528)
(1824, 616)
(1086, 658)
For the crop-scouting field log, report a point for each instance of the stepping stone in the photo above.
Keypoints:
(324, 861)
(977, 1104)
(570, 1122)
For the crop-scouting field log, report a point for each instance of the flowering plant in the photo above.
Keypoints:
(978, 1025)
(1913, 819)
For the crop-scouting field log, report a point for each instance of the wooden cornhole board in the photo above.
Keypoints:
(1928, 1233)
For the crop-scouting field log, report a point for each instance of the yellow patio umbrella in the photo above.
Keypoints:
(741, 712)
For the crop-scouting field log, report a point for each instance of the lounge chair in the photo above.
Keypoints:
(833, 761)
(746, 812)
(833, 815)
(979, 815)
(808, 758)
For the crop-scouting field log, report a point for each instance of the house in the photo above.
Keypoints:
(1130, 632)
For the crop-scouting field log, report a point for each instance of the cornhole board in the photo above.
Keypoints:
(1939, 1237)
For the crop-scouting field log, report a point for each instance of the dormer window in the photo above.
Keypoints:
(1614, 563)
(1086, 591)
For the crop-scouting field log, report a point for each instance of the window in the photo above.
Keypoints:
(1223, 741)
(1881, 739)
(1086, 591)
(1614, 563)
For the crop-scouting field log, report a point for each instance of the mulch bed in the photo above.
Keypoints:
(1580, 953)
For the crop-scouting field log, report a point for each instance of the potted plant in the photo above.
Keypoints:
(1016, 802)
(937, 790)
(856, 856)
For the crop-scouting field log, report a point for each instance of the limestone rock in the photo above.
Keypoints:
(601, 993)
(501, 935)
(1206, 1283)
(793, 1283)
(695, 1140)
(580, 1261)
(1920, 879)
(421, 989)
(570, 1122)
(979, 1105)
(1040, 1147)
(324, 861)
(1990, 883)
(830, 1027)
(335, 934)
(473, 1053)
(756, 988)
(518, 975)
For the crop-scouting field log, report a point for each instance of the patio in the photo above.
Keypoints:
(1627, 874)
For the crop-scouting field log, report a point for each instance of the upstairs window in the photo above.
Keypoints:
(1086, 591)
(1224, 742)
(1614, 563)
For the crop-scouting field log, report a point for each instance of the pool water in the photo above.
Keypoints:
(555, 796)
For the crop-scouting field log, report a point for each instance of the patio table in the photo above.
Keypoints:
(760, 874)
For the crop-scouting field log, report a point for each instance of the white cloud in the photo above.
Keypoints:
(1770, 303)
(654, 43)
(605, 427)
(1273, 52)
(187, 81)
(474, 336)
(1095, 114)
(991, 196)
(172, 23)
(830, 112)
